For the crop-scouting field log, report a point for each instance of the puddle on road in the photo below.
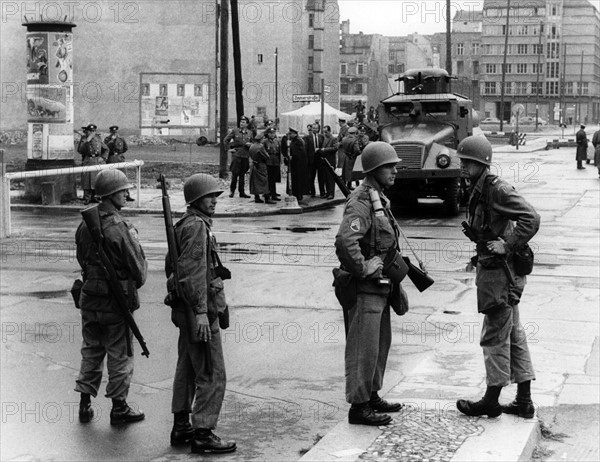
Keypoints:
(42, 295)
(299, 229)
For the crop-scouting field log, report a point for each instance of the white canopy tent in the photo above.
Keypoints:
(300, 118)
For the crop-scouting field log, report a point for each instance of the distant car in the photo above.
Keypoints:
(530, 120)
(490, 120)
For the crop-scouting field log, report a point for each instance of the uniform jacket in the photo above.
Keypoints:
(237, 140)
(273, 148)
(343, 132)
(195, 265)
(596, 144)
(351, 147)
(116, 145)
(582, 144)
(507, 214)
(122, 249)
(354, 240)
(93, 148)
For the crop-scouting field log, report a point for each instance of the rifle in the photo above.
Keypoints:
(418, 276)
(468, 231)
(190, 316)
(91, 217)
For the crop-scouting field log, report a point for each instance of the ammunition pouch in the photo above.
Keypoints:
(490, 261)
(76, 291)
(394, 266)
(523, 260)
(217, 305)
(398, 300)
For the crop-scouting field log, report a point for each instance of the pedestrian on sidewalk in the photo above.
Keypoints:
(238, 142)
(200, 379)
(259, 181)
(502, 222)
(104, 331)
(582, 145)
(361, 243)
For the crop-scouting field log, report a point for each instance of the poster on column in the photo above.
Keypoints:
(37, 57)
(47, 103)
(60, 58)
(37, 139)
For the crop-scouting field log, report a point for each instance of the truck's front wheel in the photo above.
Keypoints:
(452, 197)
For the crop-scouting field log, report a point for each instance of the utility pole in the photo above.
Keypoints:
(217, 59)
(223, 87)
(504, 66)
(448, 42)
(579, 90)
(237, 59)
(537, 79)
(563, 47)
(276, 90)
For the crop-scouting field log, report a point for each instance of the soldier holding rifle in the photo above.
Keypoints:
(195, 284)
(105, 330)
(501, 222)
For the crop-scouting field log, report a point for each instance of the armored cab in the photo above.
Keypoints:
(424, 123)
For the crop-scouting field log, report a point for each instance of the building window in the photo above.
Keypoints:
(537, 68)
(391, 68)
(197, 90)
(344, 88)
(535, 88)
(522, 49)
(490, 68)
(311, 20)
(399, 68)
(553, 50)
(475, 48)
(551, 69)
(538, 49)
(392, 55)
(521, 68)
(163, 89)
(508, 68)
(585, 88)
(568, 88)
(311, 61)
(358, 89)
(489, 88)
(520, 88)
(180, 89)
(260, 58)
(460, 48)
(487, 49)
(507, 88)
(554, 32)
(343, 68)
(475, 67)
(145, 89)
(360, 68)
(311, 42)
(311, 86)
(552, 88)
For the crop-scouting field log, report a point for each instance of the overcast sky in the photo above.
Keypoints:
(402, 17)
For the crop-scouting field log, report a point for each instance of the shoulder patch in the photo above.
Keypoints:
(355, 225)
(495, 180)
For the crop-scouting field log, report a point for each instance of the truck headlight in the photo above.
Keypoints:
(443, 161)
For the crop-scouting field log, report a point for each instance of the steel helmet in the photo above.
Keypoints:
(110, 181)
(199, 185)
(377, 154)
(476, 148)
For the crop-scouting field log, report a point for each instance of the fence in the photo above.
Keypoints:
(5, 226)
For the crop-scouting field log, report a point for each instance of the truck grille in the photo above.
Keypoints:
(410, 155)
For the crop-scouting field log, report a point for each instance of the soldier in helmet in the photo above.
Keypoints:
(361, 243)
(502, 222)
(93, 152)
(105, 332)
(199, 383)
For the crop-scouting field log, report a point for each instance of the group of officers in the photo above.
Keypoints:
(305, 155)
(502, 220)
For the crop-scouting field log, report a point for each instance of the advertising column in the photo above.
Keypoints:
(50, 144)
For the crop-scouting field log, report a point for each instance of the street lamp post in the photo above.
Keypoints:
(276, 91)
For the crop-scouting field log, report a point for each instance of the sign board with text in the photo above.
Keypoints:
(310, 98)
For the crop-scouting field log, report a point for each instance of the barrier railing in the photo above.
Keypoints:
(5, 229)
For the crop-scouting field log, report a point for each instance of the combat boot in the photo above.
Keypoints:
(363, 414)
(522, 404)
(487, 405)
(205, 441)
(86, 413)
(122, 413)
(379, 404)
(182, 429)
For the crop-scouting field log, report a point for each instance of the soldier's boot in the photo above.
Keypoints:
(379, 404)
(522, 404)
(488, 405)
(257, 199)
(268, 199)
(86, 413)
(205, 441)
(363, 414)
(122, 413)
(182, 431)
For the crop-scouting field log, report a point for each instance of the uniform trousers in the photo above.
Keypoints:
(196, 390)
(503, 339)
(104, 334)
(367, 346)
(239, 168)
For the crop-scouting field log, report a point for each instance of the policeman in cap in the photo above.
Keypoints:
(105, 333)
(502, 222)
(117, 146)
(366, 235)
(93, 152)
(199, 383)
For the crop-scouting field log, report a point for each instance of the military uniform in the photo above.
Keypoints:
(493, 207)
(93, 152)
(350, 150)
(117, 146)
(273, 148)
(105, 332)
(582, 145)
(197, 388)
(237, 140)
(364, 300)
